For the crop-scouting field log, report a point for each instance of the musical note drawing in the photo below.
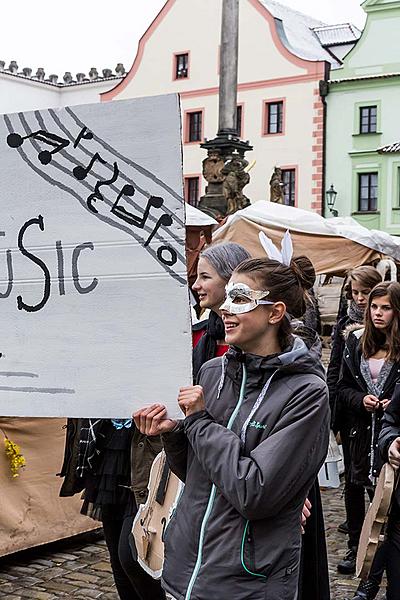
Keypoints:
(171, 261)
(140, 222)
(82, 172)
(96, 194)
(84, 134)
(128, 217)
(15, 140)
(165, 220)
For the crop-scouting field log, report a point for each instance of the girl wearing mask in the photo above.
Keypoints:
(254, 437)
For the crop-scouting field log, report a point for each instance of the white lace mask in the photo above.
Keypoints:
(240, 298)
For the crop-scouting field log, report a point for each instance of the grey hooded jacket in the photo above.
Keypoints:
(248, 462)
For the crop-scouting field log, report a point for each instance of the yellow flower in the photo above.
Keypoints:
(17, 461)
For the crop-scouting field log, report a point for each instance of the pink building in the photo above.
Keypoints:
(283, 57)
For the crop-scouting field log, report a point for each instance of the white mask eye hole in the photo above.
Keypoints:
(240, 299)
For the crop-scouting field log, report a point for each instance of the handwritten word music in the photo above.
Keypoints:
(22, 302)
(166, 254)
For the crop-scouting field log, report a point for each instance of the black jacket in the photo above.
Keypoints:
(248, 467)
(351, 390)
(390, 429)
(339, 414)
(144, 449)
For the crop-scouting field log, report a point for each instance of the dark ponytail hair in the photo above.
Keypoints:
(288, 284)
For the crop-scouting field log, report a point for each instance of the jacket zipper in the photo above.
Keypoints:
(211, 497)
(247, 533)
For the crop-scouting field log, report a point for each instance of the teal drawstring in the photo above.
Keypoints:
(213, 492)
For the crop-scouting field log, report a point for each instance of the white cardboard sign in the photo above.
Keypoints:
(93, 294)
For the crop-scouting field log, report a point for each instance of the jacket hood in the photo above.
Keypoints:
(356, 328)
(302, 356)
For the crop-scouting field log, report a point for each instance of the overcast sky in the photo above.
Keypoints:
(75, 35)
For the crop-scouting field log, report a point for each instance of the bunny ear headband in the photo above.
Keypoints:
(284, 255)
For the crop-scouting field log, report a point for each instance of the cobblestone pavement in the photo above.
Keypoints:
(79, 568)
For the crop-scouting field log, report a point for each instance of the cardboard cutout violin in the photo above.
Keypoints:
(374, 521)
(153, 517)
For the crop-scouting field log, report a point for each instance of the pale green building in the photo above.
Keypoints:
(363, 123)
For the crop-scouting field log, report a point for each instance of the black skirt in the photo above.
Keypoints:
(107, 493)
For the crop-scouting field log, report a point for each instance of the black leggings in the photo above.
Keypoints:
(131, 581)
(354, 498)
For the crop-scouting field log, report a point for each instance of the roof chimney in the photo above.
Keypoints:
(27, 71)
(67, 77)
(107, 73)
(80, 77)
(53, 78)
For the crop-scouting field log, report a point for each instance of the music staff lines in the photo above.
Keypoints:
(165, 254)
(140, 189)
(82, 172)
(56, 183)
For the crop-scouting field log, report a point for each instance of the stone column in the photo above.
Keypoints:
(228, 67)
(224, 169)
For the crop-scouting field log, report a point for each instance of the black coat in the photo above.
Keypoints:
(351, 390)
(390, 429)
(339, 414)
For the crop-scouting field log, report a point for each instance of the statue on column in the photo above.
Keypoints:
(236, 177)
(276, 186)
(212, 167)
(226, 180)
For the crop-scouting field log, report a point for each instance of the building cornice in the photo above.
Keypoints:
(68, 81)
(365, 78)
(257, 85)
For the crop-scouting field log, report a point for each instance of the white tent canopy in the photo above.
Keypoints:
(296, 219)
(196, 218)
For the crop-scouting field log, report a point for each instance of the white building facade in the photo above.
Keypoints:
(20, 91)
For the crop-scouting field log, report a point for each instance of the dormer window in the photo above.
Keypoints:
(182, 66)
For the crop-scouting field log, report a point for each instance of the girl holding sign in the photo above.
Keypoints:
(254, 437)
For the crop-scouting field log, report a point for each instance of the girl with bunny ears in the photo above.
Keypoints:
(254, 436)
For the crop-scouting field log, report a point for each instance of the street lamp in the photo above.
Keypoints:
(331, 199)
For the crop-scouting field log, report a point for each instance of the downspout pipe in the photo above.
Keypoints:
(323, 92)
